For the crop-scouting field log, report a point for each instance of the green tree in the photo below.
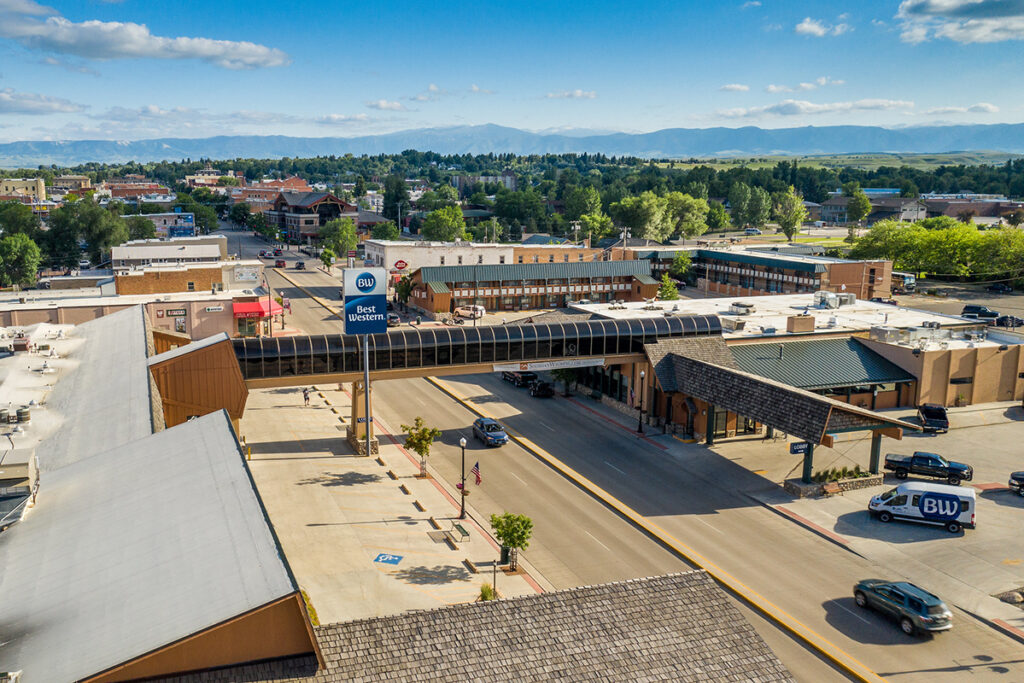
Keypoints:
(17, 218)
(396, 197)
(681, 264)
(206, 217)
(718, 218)
(938, 223)
(403, 289)
(739, 197)
(790, 213)
(140, 228)
(327, 257)
(1014, 218)
(580, 201)
(513, 532)
(258, 224)
(966, 216)
(20, 259)
(893, 241)
(239, 213)
(227, 181)
(668, 290)
(447, 194)
(759, 207)
(82, 220)
(444, 224)
(360, 188)
(564, 375)
(687, 215)
(952, 251)
(339, 236)
(596, 226)
(647, 216)
(419, 438)
(149, 207)
(859, 206)
(385, 231)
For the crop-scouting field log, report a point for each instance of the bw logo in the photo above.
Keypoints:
(934, 506)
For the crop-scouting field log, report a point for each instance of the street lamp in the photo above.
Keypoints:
(462, 490)
(640, 413)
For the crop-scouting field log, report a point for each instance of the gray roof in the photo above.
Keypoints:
(710, 349)
(679, 627)
(534, 271)
(818, 363)
(105, 400)
(166, 251)
(560, 315)
(188, 348)
(134, 548)
(810, 264)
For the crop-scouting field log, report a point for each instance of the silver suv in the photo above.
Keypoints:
(915, 609)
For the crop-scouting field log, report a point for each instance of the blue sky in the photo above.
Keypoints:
(132, 69)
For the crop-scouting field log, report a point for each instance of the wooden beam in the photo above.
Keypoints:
(827, 441)
(891, 432)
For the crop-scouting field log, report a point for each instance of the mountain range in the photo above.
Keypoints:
(670, 142)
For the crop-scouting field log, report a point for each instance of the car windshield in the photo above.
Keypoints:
(888, 494)
(492, 427)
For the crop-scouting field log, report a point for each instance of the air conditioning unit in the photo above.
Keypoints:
(741, 308)
(826, 300)
(732, 324)
(847, 299)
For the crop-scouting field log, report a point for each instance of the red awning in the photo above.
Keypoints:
(255, 309)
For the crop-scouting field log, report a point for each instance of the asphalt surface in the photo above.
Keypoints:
(696, 497)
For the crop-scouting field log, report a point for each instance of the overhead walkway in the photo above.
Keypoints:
(418, 352)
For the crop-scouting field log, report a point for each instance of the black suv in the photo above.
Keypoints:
(1000, 288)
(519, 379)
(541, 389)
(982, 312)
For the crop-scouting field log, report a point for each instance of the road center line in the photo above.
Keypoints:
(847, 609)
(613, 467)
(544, 425)
(697, 518)
(517, 477)
(595, 539)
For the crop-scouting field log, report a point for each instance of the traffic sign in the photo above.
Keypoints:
(401, 265)
(799, 448)
(365, 301)
(352, 253)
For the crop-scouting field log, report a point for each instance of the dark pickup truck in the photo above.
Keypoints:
(929, 465)
(933, 417)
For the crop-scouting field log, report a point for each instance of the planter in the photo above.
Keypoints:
(799, 489)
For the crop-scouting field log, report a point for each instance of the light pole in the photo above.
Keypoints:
(462, 489)
(640, 413)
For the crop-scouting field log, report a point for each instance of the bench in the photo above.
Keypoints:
(460, 531)
(831, 488)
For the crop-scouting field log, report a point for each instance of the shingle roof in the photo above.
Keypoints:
(707, 349)
(818, 363)
(679, 627)
(509, 272)
(304, 198)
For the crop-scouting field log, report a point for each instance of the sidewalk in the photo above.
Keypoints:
(357, 531)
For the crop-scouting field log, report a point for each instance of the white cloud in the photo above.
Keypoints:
(750, 3)
(12, 102)
(735, 87)
(979, 108)
(386, 105)
(819, 82)
(576, 94)
(341, 119)
(962, 21)
(68, 66)
(819, 29)
(20, 20)
(476, 89)
(772, 27)
(804, 108)
(431, 94)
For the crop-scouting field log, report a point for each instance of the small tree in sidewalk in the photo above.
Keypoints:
(668, 290)
(327, 257)
(565, 375)
(419, 438)
(513, 532)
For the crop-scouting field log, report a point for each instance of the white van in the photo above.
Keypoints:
(470, 312)
(927, 503)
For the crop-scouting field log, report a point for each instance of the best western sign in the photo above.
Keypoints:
(549, 365)
(365, 301)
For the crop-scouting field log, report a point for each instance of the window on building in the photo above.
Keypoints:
(191, 286)
(442, 260)
(480, 258)
(962, 380)
(501, 259)
(460, 259)
(536, 259)
(566, 258)
(520, 259)
(581, 256)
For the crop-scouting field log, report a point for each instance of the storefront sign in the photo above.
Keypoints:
(401, 265)
(214, 309)
(176, 312)
(365, 301)
(549, 365)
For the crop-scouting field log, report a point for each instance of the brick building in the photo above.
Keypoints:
(300, 215)
(23, 187)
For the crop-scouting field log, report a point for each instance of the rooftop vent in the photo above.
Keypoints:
(741, 308)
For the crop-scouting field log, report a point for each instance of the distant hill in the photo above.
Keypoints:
(672, 143)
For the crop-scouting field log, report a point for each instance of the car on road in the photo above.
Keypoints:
(933, 417)
(914, 609)
(1016, 482)
(84, 264)
(278, 252)
(469, 312)
(926, 502)
(541, 389)
(881, 300)
(300, 265)
(982, 312)
(264, 253)
(752, 231)
(999, 288)
(280, 263)
(519, 379)
(1009, 321)
(394, 320)
(490, 432)
(929, 465)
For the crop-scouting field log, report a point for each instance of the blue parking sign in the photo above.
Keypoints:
(387, 558)
(365, 301)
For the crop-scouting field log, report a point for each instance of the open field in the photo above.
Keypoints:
(860, 161)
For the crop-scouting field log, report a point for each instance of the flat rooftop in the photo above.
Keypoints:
(90, 296)
(769, 314)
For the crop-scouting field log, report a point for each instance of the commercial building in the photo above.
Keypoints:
(23, 187)
(135, 253)
(300, 215)
(507, 180)
(133, 190)
(72, 183)
(883, 207)
(142, 548)
(172, 224)
(520, 287)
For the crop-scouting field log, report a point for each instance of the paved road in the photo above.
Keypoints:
(693, 495)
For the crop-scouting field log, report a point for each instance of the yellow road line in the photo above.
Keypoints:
(814, 640)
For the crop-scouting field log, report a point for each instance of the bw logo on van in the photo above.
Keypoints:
(939, 506)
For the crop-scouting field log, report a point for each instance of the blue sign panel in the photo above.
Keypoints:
(799, 448)
(939, 506)
(386, 558)
(365, 301)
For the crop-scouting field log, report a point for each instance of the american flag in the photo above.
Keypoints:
(476, 473)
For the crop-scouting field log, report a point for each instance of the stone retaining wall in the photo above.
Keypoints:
(797, 488)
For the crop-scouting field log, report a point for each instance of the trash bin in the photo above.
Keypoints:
(504, 555)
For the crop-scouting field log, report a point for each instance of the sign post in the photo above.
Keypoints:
(365, 314)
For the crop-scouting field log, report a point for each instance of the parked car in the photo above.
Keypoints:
(470, 312)
(1016, 482)
(490, 432)
(278, 252)
(280, 263)
(933, 417)
(264, 253)
(84, 264)
(929, 465)
(300, 265)
(926, 502)
(394, 320)
(981, 311)
(881, 300)
(752, 231)
(913, 608)
(520, 379)
(999, 288)
(541, 389)
(1009, 321)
